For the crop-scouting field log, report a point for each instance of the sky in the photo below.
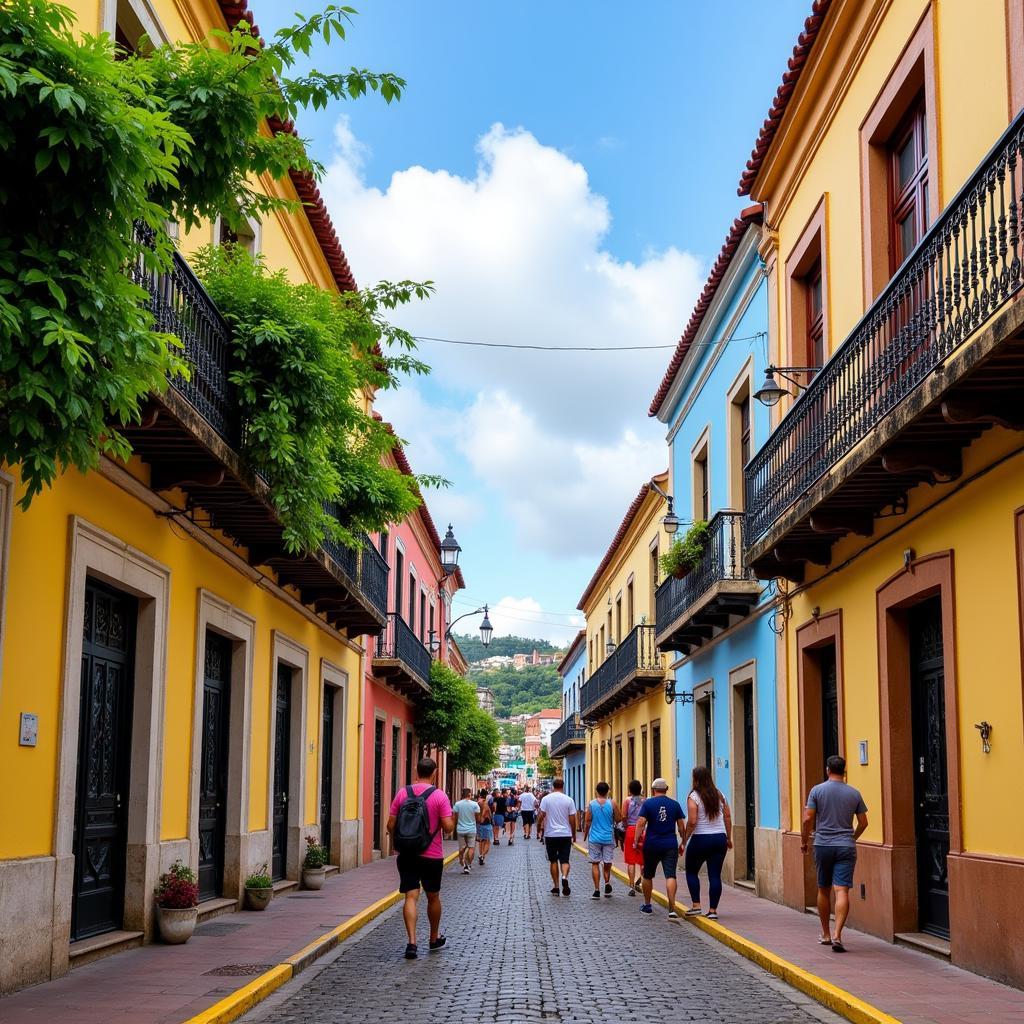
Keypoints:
(565, 173)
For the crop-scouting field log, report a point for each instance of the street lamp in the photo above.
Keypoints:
(486, 630)
(771, 392)
(609, 647)
(450, 552)
(670, 521)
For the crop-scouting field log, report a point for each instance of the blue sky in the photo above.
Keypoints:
(566, 172)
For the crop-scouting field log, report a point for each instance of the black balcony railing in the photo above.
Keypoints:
(373, 578)
(963, 270)
(180, 306)
(347, 558)
(722, 561)
(569, 732)
(637, 656)
(399, 643)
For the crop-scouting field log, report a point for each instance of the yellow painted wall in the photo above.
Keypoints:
(631, 558)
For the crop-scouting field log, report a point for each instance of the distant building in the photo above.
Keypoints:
(485, 698)
(568, 743)
(494, 661)
(521, 661)
(539, 728)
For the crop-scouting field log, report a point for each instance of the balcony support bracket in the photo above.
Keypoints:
(167, 476)
(999, 412)
(842, 521)
(817, 554)
(943, 463)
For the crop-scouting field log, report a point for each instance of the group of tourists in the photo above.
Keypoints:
(654, 832)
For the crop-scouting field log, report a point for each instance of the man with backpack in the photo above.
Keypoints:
(418, 815)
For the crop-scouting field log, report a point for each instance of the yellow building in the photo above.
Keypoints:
(889, 497)
(173, 685)
(631, 733)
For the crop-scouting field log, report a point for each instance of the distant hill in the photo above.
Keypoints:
(473, 650)
(517, 693)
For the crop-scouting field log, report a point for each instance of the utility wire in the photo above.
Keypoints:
(579, 348)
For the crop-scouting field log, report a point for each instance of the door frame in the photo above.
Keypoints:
(286, 651)
(928, 576)
(744, 675)
(94, 552)
(379, 840)
(337, 679)
(213, 612)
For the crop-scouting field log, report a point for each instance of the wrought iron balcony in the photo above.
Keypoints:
(711, 597)
(631, 669)
(936, 360)
(191, 437)
(401, 659)
(569, 735)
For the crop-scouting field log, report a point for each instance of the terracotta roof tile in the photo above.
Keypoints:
(794, 68)
(751, 215)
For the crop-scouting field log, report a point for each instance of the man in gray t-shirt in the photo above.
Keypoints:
(831, 807)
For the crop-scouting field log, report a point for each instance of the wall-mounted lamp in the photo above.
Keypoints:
(986, 733)
(771, 392)
(670, 521)
(815, 613)
(908, 557)
(672, 696)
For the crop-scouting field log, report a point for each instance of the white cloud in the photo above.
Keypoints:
(517, 254)
(524, 616)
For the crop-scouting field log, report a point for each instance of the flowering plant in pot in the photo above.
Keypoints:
(315, 863)
(687, 552)
(177, 903)
(259, 889)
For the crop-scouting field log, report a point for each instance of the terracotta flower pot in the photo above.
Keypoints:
(259, 899)
(176, 926)
(681, 572)
(313, 878)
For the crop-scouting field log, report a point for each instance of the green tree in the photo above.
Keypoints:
(513, 733)
(474, 650)
(477, 748)
(546, 766)
(442, 718)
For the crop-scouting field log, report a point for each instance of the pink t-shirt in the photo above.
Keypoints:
(438, 807)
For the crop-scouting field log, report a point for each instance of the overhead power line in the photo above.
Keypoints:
(575, 348)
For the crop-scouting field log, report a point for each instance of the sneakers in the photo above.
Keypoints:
(712, 915)
(646, 908)
(438, 943)
(481, 861)
(672, 915)
(596, 895)
(632, 892)
(554, 891)
(694, 912)
(411, 951)
(565, 887)
(465, 870)
(608, 889)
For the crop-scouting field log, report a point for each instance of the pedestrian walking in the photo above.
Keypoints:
(831, 808)
(660, 818)
(485, 828)
(418, 814)
(511, 813)
(559, 825)
(629, 816)
(467, 817)
(498, 814)
(599, 835)
(527, 807)
(708, 838)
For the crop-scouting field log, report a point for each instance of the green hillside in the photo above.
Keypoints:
(516, 693)
(473, 650)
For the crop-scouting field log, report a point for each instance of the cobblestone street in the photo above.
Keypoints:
(517, 954)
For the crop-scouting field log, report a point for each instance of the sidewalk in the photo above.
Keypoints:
(913, 987)
(160, 984)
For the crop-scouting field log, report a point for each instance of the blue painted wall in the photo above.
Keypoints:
(704, 404)
(573, 675)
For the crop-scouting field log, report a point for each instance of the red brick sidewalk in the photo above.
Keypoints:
(160, 984)
(911, 986)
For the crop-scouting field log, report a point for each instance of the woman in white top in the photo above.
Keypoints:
(708, 837)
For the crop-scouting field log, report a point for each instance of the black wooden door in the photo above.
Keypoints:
(931, 787)
(104, 758)
(213, 765)
(749, 784)
(282, 771)
(705, 709)
(378, 781)
(327, 767)
(829, 705)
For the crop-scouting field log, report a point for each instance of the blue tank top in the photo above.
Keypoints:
(601, 821)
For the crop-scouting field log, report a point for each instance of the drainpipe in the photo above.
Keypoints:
(360, 751)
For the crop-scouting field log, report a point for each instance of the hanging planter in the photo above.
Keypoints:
(686, 553)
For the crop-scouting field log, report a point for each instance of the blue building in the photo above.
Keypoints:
(569, 740)
(718, 618)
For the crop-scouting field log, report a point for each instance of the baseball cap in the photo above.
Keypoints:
(659, 784)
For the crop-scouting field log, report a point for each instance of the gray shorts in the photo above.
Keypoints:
(467, 839)
(600, 853)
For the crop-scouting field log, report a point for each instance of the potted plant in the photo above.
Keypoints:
(177, 903)
(259, 889)
(314, 865)
(687, 552)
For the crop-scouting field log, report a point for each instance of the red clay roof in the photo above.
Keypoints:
(303, 182)
(795, 67)
(751, 215)
(627, 521)
(569, 654)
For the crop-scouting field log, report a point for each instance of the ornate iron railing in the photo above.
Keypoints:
(347, 558)
(571, 729)
(723, 560)
(636, 653)
(964, 268)
(181, 306)
(400, 643)
(373, 578)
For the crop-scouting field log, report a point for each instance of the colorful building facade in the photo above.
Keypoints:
(569, 740)
(888, 499)
(718, 620)
(630, 728)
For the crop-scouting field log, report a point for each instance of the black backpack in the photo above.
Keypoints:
(412, 823)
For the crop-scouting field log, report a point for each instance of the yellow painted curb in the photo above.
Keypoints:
(242, 1000)
(836, 999)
